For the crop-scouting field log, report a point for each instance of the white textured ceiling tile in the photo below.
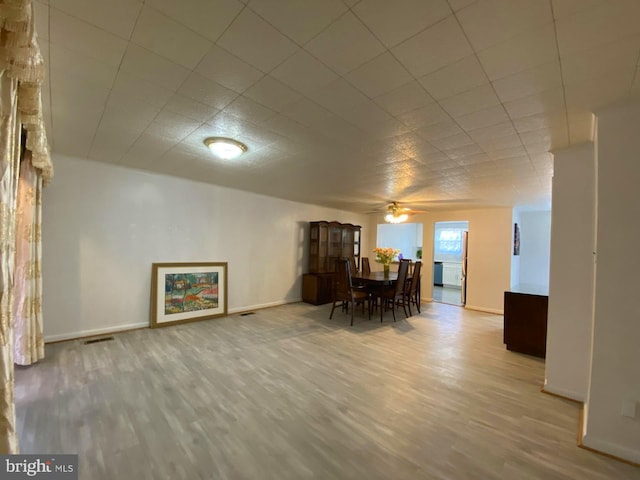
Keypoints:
(378, 76)
(72, 67)
(470, 101)
(209, 18)
(427, 115)
(306, 112)
(499, 143)
(483, 118)
(65, 31)
(228, 70)
(489, 22)
(338, 96)
(548, 101)
(303, 73)
(456, 78)
(512, 152)
(452, 142)
(179, 128)
(141, 90)
(246, 108)
(597, 26)
(345, 44)
(549, 121)
(403, 99)
(168, 38)
(153, 68)
(387, 128)
(525, 83)
(525, 51)
(583, 66)
(611, 87)
(146, 149)
(256, 42)
(272, 93)
(300, 21)
(434, 48)
(492, 132)
(190, 108)
(206, 91)
(393, 22)
(115, 16)
(439, 130)
(567, 8)
(366, 114)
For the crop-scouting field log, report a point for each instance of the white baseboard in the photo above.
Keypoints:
(496, 311)
(258, 306)
(132, 326)
(91, 333)
(548, 388)
(603, 446)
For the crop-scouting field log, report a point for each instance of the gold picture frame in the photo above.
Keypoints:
(187, 292)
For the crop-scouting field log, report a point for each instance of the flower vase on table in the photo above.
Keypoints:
(385, 256)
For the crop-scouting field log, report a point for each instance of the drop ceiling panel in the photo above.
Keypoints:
(345, 44)
(169, 38)
(434, 48)
(303, 73)
(208, 18)
(228, 70)
(84, 38)
(380, 75)
(256, 42)
(409, 101)
(300, 21)
(393, 22)
(490, 22)
(115, 16)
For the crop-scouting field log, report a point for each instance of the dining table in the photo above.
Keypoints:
(378, 279)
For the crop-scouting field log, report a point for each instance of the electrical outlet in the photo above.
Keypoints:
(629, 408)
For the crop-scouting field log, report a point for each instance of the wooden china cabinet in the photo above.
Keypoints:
(328, 242)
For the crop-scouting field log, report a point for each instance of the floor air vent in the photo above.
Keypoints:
(247, 313)
(97, 340)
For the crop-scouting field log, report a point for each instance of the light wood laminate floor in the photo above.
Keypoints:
(289, 394)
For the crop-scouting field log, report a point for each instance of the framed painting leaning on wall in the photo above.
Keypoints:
(187, 292)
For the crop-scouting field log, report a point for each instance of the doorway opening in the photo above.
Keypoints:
(450, 262)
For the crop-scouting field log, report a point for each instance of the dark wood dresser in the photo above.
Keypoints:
(525, 321)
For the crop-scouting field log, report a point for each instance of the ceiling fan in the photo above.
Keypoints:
(398, 214)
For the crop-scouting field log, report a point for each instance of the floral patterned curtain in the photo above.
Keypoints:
(28, 331)
(21, 75)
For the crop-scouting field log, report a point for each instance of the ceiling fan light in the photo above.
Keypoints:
(393, 218)
(225, 148)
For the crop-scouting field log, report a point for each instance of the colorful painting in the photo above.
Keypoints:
(189, 292)
(183, 292)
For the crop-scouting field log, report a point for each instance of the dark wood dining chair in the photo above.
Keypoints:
(395, 295)
(366, 267)
(412, 294)
(352, 265)
(344, 292)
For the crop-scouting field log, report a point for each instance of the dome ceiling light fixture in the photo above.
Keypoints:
(225, 148)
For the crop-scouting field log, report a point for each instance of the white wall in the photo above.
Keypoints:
(571, 272)
(535, 234)
(489, 255)
(402, 236)
(104, 225)
(615, 360)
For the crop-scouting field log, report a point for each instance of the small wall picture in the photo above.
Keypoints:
(186, 292)
(516, 239)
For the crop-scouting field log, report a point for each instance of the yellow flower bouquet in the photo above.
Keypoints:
(385, 255)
